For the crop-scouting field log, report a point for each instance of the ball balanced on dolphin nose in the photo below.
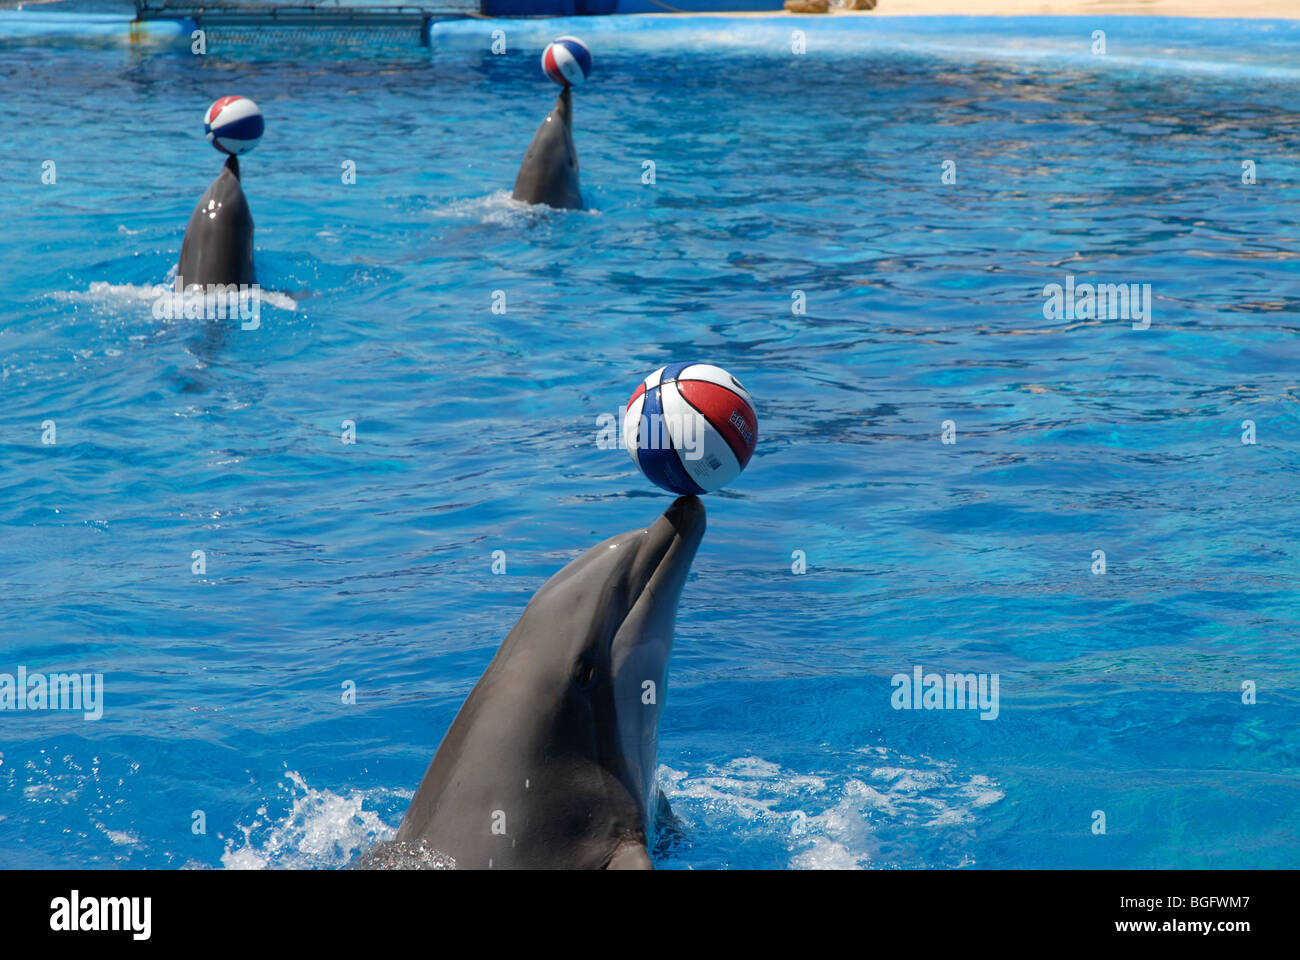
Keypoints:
(549, 173)
(550, 762)
(218, 244)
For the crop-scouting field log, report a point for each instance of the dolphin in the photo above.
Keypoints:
(549, 173)
(218, 244)
(550, 761)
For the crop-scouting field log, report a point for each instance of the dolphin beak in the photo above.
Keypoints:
(672, 541)
(663, 560)
(686, 515)
(640, 649)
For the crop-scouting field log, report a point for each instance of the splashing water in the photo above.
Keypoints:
(320, 829)
(860, 816)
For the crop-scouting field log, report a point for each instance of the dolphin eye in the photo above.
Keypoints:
(584, 671)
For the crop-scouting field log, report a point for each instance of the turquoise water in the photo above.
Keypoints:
(370, 563)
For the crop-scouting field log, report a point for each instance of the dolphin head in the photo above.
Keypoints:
(559, 736)
(549, 172)
(218, 244)
(600, 632)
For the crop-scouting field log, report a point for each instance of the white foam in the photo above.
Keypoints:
(101, 291)
(836, 821)
(131, 295)
(501, 208)
(825, 855)
(121, 838)
(322, 829)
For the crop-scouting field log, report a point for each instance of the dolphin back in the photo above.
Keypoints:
(549, 173)
(218, 244)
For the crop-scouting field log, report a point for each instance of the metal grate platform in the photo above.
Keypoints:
(324, 16)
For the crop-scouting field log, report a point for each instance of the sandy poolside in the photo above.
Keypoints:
(1223, 9)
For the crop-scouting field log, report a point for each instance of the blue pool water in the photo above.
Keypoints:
(775, 172)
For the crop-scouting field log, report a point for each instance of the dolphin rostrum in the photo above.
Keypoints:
(550, 761)
(549, 173)
(218, 244)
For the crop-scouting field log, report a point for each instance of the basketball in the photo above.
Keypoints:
(690, 427)
(567, 61)
(233, 125)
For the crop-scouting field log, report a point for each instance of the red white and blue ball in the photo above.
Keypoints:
(567, 61)
(233, 125)
(690, 427)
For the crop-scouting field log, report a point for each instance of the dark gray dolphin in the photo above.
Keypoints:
(218, 244)
(549, 173)
(550, 762)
